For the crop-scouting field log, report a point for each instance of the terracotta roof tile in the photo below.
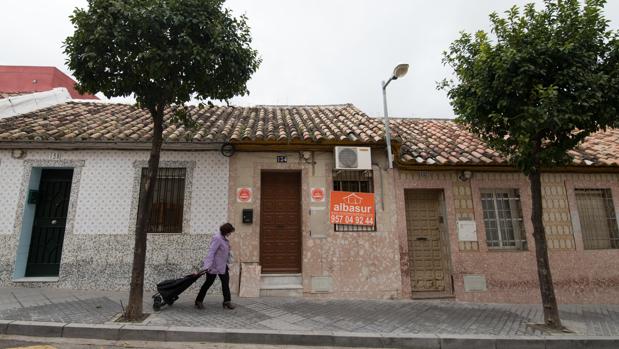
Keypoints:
(430, 141)
(101, 122)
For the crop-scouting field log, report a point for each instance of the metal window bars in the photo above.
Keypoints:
(503, 221)
(598, 222)
(361, 181)
(168, 200)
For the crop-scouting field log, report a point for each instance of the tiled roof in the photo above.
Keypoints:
(106, 122)
(443, 142)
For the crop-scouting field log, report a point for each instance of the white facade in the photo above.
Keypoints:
(98, 244)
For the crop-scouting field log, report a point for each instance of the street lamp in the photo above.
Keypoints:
(399, 71)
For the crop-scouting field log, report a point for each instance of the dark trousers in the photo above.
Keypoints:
(210, 278)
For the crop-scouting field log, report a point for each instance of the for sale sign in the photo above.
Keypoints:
(351, 208)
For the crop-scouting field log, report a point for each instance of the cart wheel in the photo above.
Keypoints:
(157, 302)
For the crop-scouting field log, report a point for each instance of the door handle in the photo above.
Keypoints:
(421, 238)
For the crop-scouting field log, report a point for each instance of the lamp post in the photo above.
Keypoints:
(399, 71)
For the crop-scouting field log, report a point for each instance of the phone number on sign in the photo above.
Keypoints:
(355, 220)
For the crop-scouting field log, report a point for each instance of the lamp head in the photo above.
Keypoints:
(400, 70)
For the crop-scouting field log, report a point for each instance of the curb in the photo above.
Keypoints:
(309, 338)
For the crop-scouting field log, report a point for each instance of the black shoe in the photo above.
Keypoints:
(199, 305)
(229, 305)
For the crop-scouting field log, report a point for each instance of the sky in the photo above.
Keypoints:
(313, 52)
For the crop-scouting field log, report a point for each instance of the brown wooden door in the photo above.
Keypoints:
(280, 222)
(426, 250)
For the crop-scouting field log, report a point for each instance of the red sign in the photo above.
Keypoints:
(351, 208)
(243, 194)
(318, 194)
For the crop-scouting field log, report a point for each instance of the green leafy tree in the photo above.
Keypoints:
(164, 53)
(544, 81)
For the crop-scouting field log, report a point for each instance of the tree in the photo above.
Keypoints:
(545, 81)
(163, 52)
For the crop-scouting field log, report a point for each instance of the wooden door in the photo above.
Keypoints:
(50, 219)
(426, 246)
(280, 222)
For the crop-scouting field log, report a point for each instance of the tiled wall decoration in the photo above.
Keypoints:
(97, 252)
(10, 181)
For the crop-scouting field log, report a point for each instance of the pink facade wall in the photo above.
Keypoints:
(21, 79)
(580, 276)
(355, 264)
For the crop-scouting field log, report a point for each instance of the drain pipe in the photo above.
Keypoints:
(382, 187)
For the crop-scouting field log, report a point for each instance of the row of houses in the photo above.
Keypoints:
(450, 220)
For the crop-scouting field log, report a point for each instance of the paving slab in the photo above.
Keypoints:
(303, 321)
(518, 342)
(92, 331)
(467, 342)
(143, 333)
(195, 334)
(35, 329)
(416, 341)
(4, 324)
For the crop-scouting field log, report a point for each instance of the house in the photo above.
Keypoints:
(466, 223)
(254, 167)
(26, 88)
(451, 220)
(19, 80)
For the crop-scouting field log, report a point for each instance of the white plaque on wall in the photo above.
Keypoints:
(467, 230)
(475, 283)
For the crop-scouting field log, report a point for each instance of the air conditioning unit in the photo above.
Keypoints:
(353, 158)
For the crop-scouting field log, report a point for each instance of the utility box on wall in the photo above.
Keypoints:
(248, 215)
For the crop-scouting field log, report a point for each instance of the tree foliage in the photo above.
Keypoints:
(544, 80)
(161, 51)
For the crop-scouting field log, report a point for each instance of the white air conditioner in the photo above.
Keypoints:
(353, 158)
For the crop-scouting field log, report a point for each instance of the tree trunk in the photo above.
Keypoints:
(136, 292)
(549, 301)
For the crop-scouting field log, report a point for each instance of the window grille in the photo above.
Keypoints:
(354, 181)
(598, 222)
(168, 200)
(503, 219)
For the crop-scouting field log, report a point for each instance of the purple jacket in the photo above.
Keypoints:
(217, 258)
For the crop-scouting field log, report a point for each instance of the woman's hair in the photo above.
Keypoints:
(226, 229)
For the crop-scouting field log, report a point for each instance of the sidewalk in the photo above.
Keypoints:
(268, 320)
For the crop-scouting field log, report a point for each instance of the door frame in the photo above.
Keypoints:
(25, 212)
(444, 203)
(299, 172)
(43, 269)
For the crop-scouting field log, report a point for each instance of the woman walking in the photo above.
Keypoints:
(216, 263)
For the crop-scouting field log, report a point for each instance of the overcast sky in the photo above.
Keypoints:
(314, 52)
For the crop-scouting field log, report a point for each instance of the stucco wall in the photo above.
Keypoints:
(580, 276)
(98, 244)
(357, 264)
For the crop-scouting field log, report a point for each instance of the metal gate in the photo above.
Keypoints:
(50, 219)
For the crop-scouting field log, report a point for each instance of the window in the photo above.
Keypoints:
(355, 181)
(598, 222)
(168, 199)
(503, 219)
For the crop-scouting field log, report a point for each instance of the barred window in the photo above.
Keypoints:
(598, 222)
(503, 219)
(168, 200)
(354, 181)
